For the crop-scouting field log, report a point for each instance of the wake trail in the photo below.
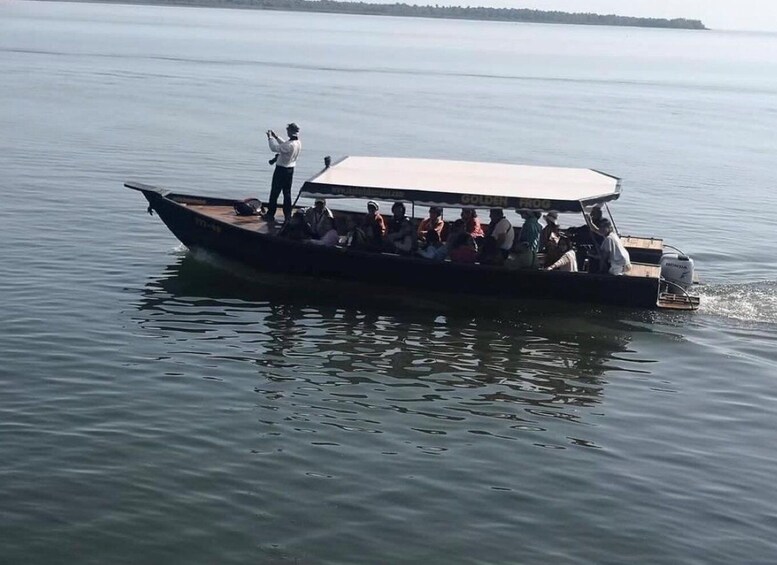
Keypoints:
(750, 302)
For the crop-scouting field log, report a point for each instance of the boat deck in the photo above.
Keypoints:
(227, 214)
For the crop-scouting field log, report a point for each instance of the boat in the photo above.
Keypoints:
(213, 224)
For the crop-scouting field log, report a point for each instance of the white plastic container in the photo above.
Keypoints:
(677, 269)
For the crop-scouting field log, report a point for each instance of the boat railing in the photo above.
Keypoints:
(674, 248)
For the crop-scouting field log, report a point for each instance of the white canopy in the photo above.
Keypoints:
(463, 183)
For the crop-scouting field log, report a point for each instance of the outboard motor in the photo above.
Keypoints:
(677, 269)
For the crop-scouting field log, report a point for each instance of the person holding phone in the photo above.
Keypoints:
(287, 153)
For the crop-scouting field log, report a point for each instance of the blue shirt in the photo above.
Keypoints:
(530, 233)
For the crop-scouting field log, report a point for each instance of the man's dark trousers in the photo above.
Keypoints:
(281, 182)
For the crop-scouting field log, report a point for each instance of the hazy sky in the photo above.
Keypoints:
(716, 14)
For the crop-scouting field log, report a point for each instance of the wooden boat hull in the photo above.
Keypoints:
(271, 253)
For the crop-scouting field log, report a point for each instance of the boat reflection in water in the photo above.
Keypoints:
(501, 368)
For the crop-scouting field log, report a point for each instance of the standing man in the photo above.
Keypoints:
(501, 230)
(531, 229)
(287, 153)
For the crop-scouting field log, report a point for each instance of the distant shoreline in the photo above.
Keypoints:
(521, 15)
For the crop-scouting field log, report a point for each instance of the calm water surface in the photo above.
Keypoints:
(163, 406)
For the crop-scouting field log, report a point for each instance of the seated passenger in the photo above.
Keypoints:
(613, 256)
(455, 228)
(595, 220)
(295, 227)
(472, 222)
(501, 230)
(462, 248)
(433, 222)
(330, 237)
(405, 241)
(531, 229)
(400, 237)
(596, 230)
(398, 218)
(489, 253)
(568, 260)
(369, 234)
(318, 219)
(591, 233)
(523, 257)
(434, 248)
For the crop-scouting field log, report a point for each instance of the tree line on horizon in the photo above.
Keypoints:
(451, 12)
(474, 13)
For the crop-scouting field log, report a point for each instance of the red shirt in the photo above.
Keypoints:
(426, 225)
(474, 229)
(375, 221)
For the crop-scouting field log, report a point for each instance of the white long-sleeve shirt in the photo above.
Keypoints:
(612, 250)
(287, 151)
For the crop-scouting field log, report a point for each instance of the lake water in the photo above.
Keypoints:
(158, 406)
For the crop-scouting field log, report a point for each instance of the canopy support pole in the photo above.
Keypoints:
(612, 220)
(299, 192)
